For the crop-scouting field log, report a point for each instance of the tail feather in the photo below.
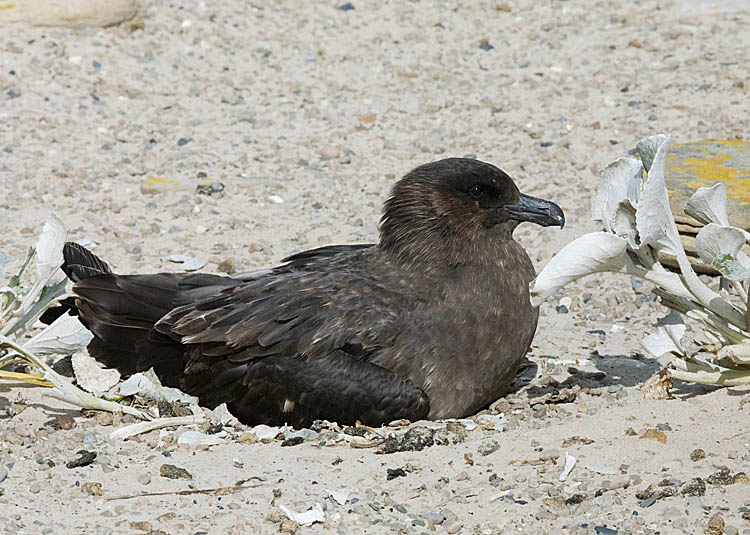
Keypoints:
(121, 311)
(80, 263)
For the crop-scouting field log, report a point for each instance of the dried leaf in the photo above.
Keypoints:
(657, 386)
(92, 376)
(655, 434)
(148, 386)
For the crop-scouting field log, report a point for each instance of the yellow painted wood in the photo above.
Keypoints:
(703, 163)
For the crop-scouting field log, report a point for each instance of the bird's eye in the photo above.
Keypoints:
(475, 192)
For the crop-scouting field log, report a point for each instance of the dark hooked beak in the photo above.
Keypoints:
(539, 211)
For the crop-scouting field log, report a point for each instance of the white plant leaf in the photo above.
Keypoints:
(736, 353)
(147, 385)
(592, 253)
(666, 339)
(719, 246)
(92, 376)
(48, 255)
(656, 227)
(619, 191)
(709, 205)
(33, 306)
(654, 219)
(647, 149)
(307, 518)
(49, 248)
(65, 335)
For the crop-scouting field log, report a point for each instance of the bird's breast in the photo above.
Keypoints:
(484, 328)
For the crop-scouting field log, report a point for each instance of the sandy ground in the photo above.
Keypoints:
(307, 114)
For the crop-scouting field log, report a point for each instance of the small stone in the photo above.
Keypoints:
(329, 152)
(539, 410)
(3, 473)
(92, 488)
(85, 458)
(435, 518)
(730, 530)
(346, 7)
(630, 432)
(226, 266)
(144, 479)
(141, 526)
(182, 142)
(104, 418)
(453, 527)
(171, 471)
(722, 477)
(288, 525)
(292, 441)
(694, 487)
(63, 421)
(715, 525)
(213, 188)
(35, 488)
(393, 473)
(697, 455)
(741, 477)
(549, 454)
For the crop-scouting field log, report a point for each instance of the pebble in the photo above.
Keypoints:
(3, 473)
(85, 458)
(213, 188)
(144, 479)
(35, 488)
(715, 525)
(436, 518)
(330, 152)
(171, 471)
(549, 454)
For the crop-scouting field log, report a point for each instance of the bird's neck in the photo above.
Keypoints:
(433, 247)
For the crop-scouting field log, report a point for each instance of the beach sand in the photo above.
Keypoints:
(307, 114)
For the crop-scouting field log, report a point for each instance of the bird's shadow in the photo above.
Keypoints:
(624, 370)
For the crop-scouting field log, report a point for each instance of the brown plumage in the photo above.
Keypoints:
(431, 322)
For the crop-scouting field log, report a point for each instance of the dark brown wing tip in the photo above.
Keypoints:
(80, 264)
